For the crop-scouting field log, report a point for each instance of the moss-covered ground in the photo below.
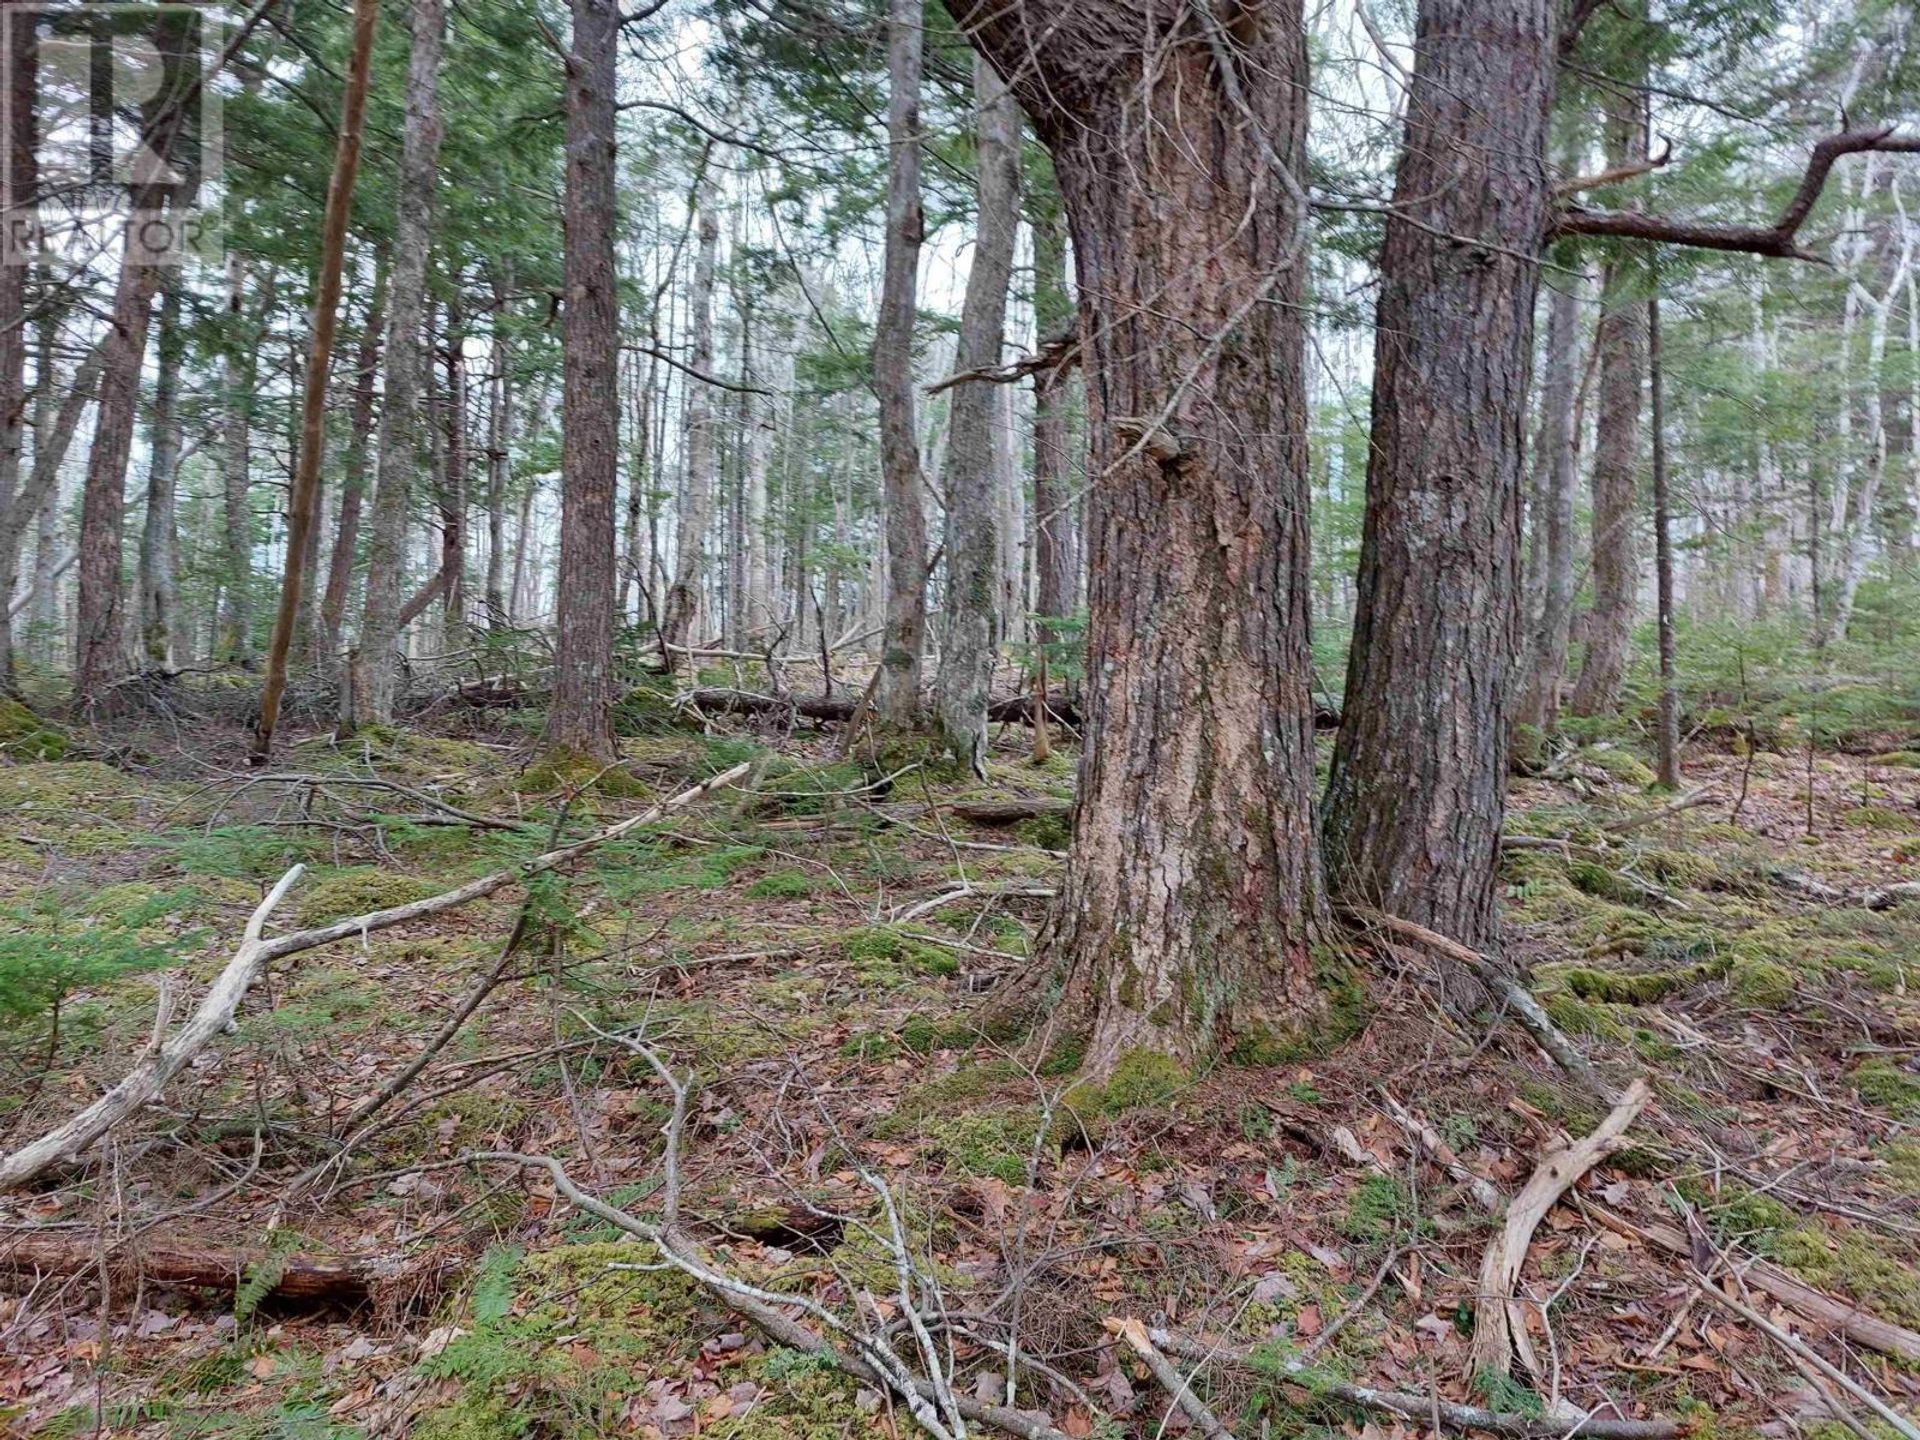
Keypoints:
(767, 940)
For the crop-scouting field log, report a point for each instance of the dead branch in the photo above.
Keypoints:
(1850, 1320)
(1169, 1377)
(1421, 1409)
(1500, 1323)
(1531, 1015)
(1779, 240)
(151, 1074)
(160, 1063)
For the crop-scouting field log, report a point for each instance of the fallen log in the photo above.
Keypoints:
(310, 1278)
(161, 1062)
(1816, 1305)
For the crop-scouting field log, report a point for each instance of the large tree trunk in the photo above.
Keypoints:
(157, 538)
(303, 505)
(970, 635)
(373, 668)
(1418, 787)
(1192, 893)
(696, 502)
(579, 721)
(1546, 665)
(1622, 341)
(353, 484)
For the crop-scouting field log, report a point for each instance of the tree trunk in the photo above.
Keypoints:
(1417, 792)
(579, 720)
(303, 506)
(157, 538)
(970, 634)
(236, 449)
(353, 485)
(1667, 744)
(696, 505)
(1052, 500)
(1546, 666)
(373, 668)
(1192, 892)
(1621, 340)
(905, 638)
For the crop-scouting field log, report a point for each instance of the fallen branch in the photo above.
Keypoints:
(1531, 1015)
(1500, 1323)
(1169, 1376)
(1420, 1409)
(151, 1074)
(1763, 1275)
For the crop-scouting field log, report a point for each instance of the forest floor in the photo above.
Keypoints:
(811, 945)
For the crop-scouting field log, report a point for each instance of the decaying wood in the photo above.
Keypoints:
(341, 1280)
(1500, 1323)
(152, 1072)
(1791, 1291)
(1420, 1409)
(1169, 1377)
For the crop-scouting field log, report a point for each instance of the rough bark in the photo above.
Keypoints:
(99, 655)
(903, 644)
(1667, 742)
(1621, 340)
(1053, 550)
(1417, 792)
(1546, 665)
(157, 531)
(696, 501)
(353, 484)
(970, 633)
(373, 667)
(579, 721)
(303, 505)
(1192, 893)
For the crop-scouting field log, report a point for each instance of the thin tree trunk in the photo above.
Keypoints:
(696, 507)
(157, 539)
(1557, 462)
(1621, 340)
(1667, 747)
(304, 505)
(373, 668)
(970, 635)
(1192, 892)
(1417, 792)
(904, 641)
(579, 721)
(353, 485)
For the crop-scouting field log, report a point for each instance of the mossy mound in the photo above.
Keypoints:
(359, 890)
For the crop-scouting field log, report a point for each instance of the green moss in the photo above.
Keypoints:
(782, 885)
(358, 891)
(1762, 983)
(1880, 1082)
(881, 951)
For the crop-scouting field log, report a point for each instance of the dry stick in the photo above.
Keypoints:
(1526, 1009)
(1806, 1352)
(159, 1064)
(1170, 1378)
(1500, 1324)
(1420, 1409)
(150, 1075)
(873, 1360)
(1853, 1322)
